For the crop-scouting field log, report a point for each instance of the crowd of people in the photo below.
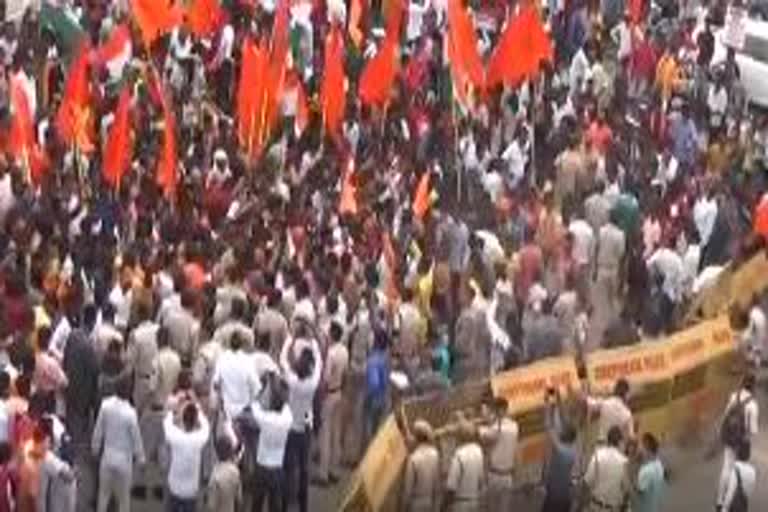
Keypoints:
(223, 319)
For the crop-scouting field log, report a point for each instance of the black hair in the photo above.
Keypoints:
(615, 436)
(189, 416)
(5, 384)
(305, 364)
(650, 443)
(621, 389)
(335, 331)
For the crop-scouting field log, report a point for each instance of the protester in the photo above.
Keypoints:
(558, 485)
(422, 471)
(740, 484)
(185, 442)
(649, 485)
(606, 475)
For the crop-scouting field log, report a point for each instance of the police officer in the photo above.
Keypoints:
(422, 471)
(500, 437)
(465, 483)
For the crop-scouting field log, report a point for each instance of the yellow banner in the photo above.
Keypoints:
(384, 460)
(525, 388)
(639, 364)
(699, 344)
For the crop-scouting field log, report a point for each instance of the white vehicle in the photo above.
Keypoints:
(752, 60)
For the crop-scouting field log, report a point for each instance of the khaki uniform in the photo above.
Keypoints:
(466, 478)
(354, 391)
(142, 347)
(272, 322)
(336, 365)
(167, 370)
(502, 436)
(412, 334)
(422, 474)
(183, 331)
(225, 489)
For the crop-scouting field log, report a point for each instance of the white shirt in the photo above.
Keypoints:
(755, 334)
(704, 216)
(186, 455)
(236, 380)
(583, 241)
(301, 391)
(622, 35)
(226, 44)
(416, 13)
(613, 412)
(670, 265)
(516, 159)
(116, 435)
(578, 71)
(717, 100)
(748, 481)
(60, 337)
(4, 423)
(493, 185)
(606, 475)
(122, 303)
(273, 434)
(691, 261)
(263, 363)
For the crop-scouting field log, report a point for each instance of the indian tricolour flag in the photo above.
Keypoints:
(116, 52)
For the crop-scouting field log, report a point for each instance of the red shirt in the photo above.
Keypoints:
(600, 136)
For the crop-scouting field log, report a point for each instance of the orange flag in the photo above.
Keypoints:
(421, 198)
(379, 74)
(348, 200)
(273, 93)
(536, 45)
(118, 149)
(166, 167)
(74, 120)
(250, 94)
(504, 66)
(462, 41)
(332, 95)
(156, 17)
(204, 16)
(23, 144)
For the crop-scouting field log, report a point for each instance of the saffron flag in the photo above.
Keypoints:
(74, 121)
(348, 199)
(390, 264)
(379, 74)
(155, 17)
(421, 198)
(250, 94)
(332, 94)
(522, 48)
(166, 168)
(278, 59)
(23, 145)
(204, 16)
(118, 149)
(465, 59)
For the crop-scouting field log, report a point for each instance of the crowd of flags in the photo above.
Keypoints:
(266, 78)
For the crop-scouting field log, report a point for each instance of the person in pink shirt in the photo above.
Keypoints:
(49, 376)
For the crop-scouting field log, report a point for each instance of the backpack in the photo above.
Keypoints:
(739, 502)
(733, 432)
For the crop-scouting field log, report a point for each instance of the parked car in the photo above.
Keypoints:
(752, 60)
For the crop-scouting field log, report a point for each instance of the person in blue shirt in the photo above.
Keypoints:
(376, 385)
(559, 468)
(649, 485)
